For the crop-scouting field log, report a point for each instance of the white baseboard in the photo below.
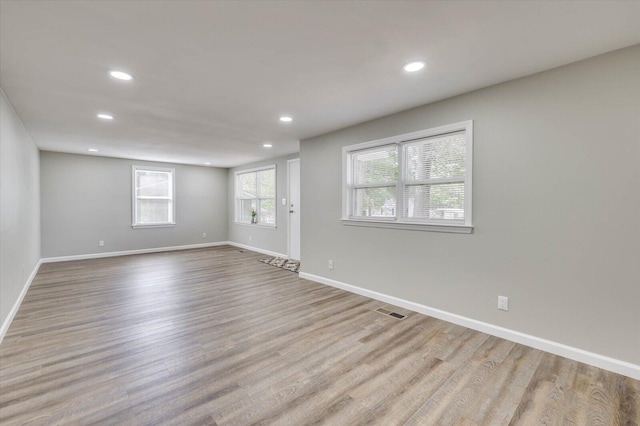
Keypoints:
(14, 309)
(159, 249)
(576, 354)
(130, 252)
(259, 250)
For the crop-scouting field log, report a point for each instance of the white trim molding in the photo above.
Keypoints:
(159, 250)
(617, 366)
(456, 229)
(130, 252)
(14, 309)
(257, 225)
(257, 249)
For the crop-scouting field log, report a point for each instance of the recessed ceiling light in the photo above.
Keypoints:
(92, 150)
(267, 145)
(207, 164)
(286, 118)
(121, 75)
(414, 66)
(105, 116)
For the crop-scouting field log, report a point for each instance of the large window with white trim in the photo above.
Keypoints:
(420, 180)
(153, 196)
(256, 196)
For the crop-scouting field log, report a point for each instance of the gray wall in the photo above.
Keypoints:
(274, 240)
(19, 207)
(88, 198)
(556, 202)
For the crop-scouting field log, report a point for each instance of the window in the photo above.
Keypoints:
(256, 196)
(153, 196)
(420, 180)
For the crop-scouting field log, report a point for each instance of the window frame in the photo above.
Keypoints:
(258, 198)
(398, 221)
(171, 198)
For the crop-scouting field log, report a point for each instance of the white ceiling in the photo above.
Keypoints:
(212, 78)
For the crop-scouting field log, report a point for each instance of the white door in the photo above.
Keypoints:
(293, 173)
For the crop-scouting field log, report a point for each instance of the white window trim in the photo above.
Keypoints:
(257, 225)
(398, 222)
(172, 223)
(236, 202)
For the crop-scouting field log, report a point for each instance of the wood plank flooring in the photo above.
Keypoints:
(212, 336)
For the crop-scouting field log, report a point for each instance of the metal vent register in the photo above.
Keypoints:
(384, 311)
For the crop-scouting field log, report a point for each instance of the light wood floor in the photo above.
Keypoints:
(213, 336)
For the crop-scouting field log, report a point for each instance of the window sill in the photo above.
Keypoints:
(159, 225)
(456, 229)
(256, 225)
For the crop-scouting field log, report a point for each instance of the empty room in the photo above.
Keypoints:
(319, 212)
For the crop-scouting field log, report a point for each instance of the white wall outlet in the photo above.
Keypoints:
(249, 238)
(331, 264)
(204, 235)
(503, 303)
(101, 243)
(284, 201)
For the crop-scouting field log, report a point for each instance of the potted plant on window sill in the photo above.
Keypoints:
(254, 214)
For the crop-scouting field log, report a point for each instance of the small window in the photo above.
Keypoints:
(256, 196)
(153, 196)
(420, 180)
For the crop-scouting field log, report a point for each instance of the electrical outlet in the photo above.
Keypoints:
(249, 238)
(503, 303)
(204, 235)
(101, 243)
(331, 264)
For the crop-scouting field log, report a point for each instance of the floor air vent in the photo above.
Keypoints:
(390, 313)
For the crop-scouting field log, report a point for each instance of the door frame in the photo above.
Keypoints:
(289, 203)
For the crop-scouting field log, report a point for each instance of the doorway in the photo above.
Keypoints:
(293, 189)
